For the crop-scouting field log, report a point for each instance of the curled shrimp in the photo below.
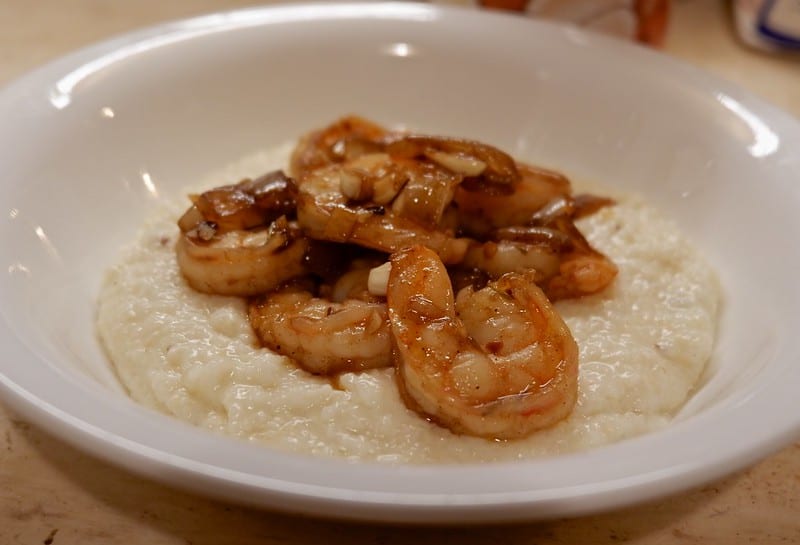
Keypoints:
(324, 212)
(237, 240)
(322, 336)
(346, 139)
(496, 363)
(472, 159)
(482, 211)
(354, 282)
(243, 262)
(566, 265)
(582, 269)
(496, 258)
(416, 190)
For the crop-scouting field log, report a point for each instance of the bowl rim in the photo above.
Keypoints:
(415, 497)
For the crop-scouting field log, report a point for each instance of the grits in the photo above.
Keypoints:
(643, 346)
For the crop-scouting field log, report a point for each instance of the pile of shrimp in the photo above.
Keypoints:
(438, 256)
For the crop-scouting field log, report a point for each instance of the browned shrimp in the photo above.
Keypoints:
(495, 363)
(323, 337)
(243, 262)
(237, 240)
(482, 211)
(346, 139)
(582, 270)
(467, 157)
(326, 213)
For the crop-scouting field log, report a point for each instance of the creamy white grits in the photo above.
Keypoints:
(643, 346)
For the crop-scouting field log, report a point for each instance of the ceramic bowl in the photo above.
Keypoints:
(92, 142)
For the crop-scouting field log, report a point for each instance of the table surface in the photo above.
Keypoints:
(51, 493)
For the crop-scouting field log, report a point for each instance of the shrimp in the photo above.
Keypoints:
(566, 264)
(351, 137)
(243, 262)
(482, 211)
(324, 212)
(237, 240)
(354, 283)
(321, 336)
(417, 190)
(583, 270)
(347, 138)
(248, 204)
(496, 363)
(467, 157)
(504, 256)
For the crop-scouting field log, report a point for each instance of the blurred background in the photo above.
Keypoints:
(755, 43)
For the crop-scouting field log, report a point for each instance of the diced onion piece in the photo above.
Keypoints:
(461, 164)
(378, 279)
(351, 185)
(386, 188)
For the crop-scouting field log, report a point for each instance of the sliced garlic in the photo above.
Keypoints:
(461, 164)
(351, 184)
(379, 279)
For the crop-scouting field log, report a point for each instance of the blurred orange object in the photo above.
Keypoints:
(642, 20)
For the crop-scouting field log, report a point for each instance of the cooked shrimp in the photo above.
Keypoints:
(504, 256)
(566, 264)
(482, 211)
(580, 275)
(416, 190)
(347, 138)
(495, 363)
(373, 177)
(243, 262)
(248, 204)
(354, 283)
(323, 337)
(325, 213)
(583, 270)
(236, 239)
(466, 157)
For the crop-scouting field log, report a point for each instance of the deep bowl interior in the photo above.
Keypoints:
(93, 142)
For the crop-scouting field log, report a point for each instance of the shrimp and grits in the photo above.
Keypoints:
(380, 295)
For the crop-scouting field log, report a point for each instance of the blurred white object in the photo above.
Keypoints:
(642, 20)
(769, 25)
(611, 16)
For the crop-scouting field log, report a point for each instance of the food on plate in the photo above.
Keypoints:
(236, 239)
(322, 335)
(494, 362)
(403, 297)
(497, 361)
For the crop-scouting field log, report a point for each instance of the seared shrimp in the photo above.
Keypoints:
(237, 240)
(355, 283)
(326, 213)
(243, 262)
(416, 190)
(583, 270)
(322, 336)
(504, 256)
(495, 363)
(347, 138)
(482, 211)
(248, 204)
(472, 159)
(566, 264)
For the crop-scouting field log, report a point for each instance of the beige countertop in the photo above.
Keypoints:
(51, 493)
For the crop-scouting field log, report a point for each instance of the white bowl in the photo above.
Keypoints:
(91, 142)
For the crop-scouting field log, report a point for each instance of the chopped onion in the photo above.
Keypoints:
(379, 279)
